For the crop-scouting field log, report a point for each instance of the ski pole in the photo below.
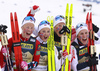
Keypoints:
(4, 43)
(64, 44)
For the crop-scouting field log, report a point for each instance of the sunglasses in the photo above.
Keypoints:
(29, 18)
(44, 22)
(80, 25)
(59, 17)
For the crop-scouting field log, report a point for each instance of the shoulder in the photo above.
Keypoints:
(37, 41)
(75, 43)
(10, 40)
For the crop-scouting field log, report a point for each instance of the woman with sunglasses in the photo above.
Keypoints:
(43, 35)
(82, 60)
(30, 46)
(59, 22)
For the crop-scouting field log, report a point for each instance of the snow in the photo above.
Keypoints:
(48, 8)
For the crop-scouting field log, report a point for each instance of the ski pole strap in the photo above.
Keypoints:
(16, 44)
(32, 65)
(3, 28)
(64, 29)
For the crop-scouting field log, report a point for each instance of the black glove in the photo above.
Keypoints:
(93, 61)
(90, 62)
(95, 28)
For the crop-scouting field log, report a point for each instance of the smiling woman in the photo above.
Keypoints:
(82, 60)
(43, 35)
(30, 47)
(82, 33)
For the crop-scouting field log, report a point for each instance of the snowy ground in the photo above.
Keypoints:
(48, 8)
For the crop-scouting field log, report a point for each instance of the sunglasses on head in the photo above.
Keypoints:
(29, 18)
(44, 22)
(59, 17)
(80, 25)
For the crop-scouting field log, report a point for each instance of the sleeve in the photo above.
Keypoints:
(2, 63)
(57, 61)
(82, 65)
(36, 56)
(37, 52)
(29, 14)
(33, 10)
(10, 43)
(74, 59)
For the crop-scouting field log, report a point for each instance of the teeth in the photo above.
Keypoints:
(84, 38)
(28, 33)
(45, 37)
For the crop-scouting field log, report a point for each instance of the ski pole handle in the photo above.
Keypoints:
(4, 40)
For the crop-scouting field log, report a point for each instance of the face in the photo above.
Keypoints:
(27, 30)
(83, 36)
(44, 34)
(58, 27)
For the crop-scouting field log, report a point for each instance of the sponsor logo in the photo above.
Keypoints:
(82, 52)
(27, 46)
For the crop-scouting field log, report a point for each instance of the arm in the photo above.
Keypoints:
(82, 65)
(57, 61)
(36, 56)
(2, 54)
(33, 10)
(75, 65)
(74, 61)
(37, 52)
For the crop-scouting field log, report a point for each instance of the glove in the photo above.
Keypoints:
(24, 65)
(32, 64)
(65, 55)
(96, 29)
(34, 9)
(4, 52)
(93, 61)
